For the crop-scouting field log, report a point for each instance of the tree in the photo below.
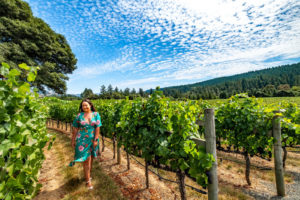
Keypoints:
(103, 90)
(284, 87)
(133, 91)
(116, 89)
(28, 39)
(126, 91)
(141, 92)
(87, 93)
(151, 91)
(110, 89)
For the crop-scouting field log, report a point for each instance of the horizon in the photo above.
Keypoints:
(170, 43)
(198, 82)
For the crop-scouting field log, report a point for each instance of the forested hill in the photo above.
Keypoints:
(277, 81)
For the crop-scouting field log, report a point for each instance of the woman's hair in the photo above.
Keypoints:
(89, 102)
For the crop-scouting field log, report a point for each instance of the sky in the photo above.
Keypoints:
(149, 43)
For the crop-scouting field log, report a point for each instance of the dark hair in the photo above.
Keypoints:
(89, 102)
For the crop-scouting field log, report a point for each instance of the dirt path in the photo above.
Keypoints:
(130, 182)
(51, 178)
(292, 190)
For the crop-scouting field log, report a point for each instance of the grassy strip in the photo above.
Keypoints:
(73, 177)
(266, 100)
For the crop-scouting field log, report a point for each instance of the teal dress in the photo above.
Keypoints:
(85, 136)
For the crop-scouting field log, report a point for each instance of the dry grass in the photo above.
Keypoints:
(73, 177)
(293, 160)
(226, 191)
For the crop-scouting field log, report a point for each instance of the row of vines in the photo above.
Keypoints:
(23, 133)
(157, 129)
(161, 131)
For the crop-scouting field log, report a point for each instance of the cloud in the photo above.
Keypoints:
(173, 40)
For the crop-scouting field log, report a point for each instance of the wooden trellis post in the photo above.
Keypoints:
(210, 145)
(278, 156)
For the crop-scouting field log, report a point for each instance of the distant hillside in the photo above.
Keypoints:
(277, 81)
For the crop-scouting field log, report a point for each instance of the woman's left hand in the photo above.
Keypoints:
(95, 143)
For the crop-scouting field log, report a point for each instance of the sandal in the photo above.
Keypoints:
(89, 187)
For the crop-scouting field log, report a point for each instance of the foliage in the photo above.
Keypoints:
(22, 134)
(245, 124)
(161, 130)
(156, 129)
(87, 93)
(119, 94)
(27, 39)
(280, 81)
(290, 124)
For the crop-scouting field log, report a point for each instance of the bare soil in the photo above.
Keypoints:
(51, 178)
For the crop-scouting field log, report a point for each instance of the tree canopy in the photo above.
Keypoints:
(28, 39)
(87, 93)
(273, 82)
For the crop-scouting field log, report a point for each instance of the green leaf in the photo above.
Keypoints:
(24, 66)
(32, 156)
(4, 72)
(25, 132)
(23, 89)
(14, 72)
(31, 77)
(184, 166)
(10, 169)
(2, 184)
(5, 65)
(2, 163)
(8, 196)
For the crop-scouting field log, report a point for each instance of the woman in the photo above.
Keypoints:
(85, 138)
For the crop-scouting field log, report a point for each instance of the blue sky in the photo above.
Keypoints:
(149, 43)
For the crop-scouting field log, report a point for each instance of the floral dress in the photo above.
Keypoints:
(85, 137)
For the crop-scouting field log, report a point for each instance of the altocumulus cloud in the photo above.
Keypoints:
(145, 43)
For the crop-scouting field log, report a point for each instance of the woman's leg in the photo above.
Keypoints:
(92, 158)
(87, 170)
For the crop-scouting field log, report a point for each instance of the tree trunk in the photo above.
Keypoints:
(146, 174)
(181, 176)
(114, 146)
(128, 160)
(247, 172)
(284, 156)
(218, 141)
(118, 153)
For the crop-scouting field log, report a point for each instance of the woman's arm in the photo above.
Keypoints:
(97, 134)
(74, 136)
